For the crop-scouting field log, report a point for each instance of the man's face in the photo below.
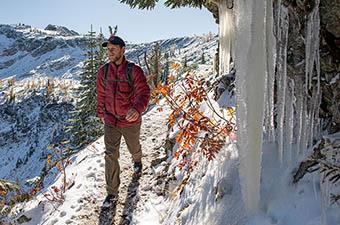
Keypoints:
(115, 52)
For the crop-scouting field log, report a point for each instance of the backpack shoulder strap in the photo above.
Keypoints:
(129, 73)
(106, 69)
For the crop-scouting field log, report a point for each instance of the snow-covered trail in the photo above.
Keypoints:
(133, 194)
(86, 184)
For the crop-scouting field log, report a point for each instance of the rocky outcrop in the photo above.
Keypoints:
(62, 31)
(329, 53)
(7, 64)
(39, 46)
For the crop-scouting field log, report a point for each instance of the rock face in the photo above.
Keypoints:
(63, 31)
(329, 53)
(330, 16)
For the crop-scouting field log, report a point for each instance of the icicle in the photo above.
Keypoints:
(289, 121)
(299, 115)
(266, 115)
(312, 47)
(317, 62)
(250, 79)
(304, 128)
(312, 59)
(308, 53)
(307, 128)
(313, 103)
(282, 77)
(226, 34)
(317, 123)
(271, 58)
(277, 17)
(242, 45)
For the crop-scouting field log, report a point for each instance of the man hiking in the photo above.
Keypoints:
(122, 96)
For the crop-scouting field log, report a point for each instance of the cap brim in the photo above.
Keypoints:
(105, 44)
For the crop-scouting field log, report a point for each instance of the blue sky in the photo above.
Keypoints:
(134, 25)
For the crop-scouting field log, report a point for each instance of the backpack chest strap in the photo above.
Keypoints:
(128, 74)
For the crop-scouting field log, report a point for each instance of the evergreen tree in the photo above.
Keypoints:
(202, 58)
(101, 53)
(185, 63)
(166, 70)
(155, 64)
(211, 6)
(7, 186)
(85, 125)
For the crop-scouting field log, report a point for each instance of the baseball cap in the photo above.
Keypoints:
(115, 40)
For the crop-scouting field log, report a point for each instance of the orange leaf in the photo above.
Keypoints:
(172, 119)
(175, 66)
(3, 193)
(171, 79)
(49, 159)
(179, 137)
(58, 165)
(35, 190)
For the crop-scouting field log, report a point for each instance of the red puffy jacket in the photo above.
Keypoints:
(117, 97)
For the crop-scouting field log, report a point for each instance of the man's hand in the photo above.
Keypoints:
(102, 119)
(132, 115)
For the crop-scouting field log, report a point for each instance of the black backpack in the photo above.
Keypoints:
(128, 74)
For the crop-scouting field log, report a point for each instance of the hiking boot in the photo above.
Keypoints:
(110, 200)
(137, 167)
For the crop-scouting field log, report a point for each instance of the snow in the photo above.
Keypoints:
(227, 99)
(85, 177)
(151, 215)
(29, 65)
(4, 42)
(335, 79)
(31, 51)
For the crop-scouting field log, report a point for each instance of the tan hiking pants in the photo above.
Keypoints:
(112, 137)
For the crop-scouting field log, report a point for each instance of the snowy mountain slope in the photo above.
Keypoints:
(25, 50)
(29, 125)
(189, 48)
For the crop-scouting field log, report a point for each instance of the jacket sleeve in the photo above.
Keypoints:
(100, 90)
(142, 90)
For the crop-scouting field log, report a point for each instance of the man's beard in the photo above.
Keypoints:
(115, 59)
